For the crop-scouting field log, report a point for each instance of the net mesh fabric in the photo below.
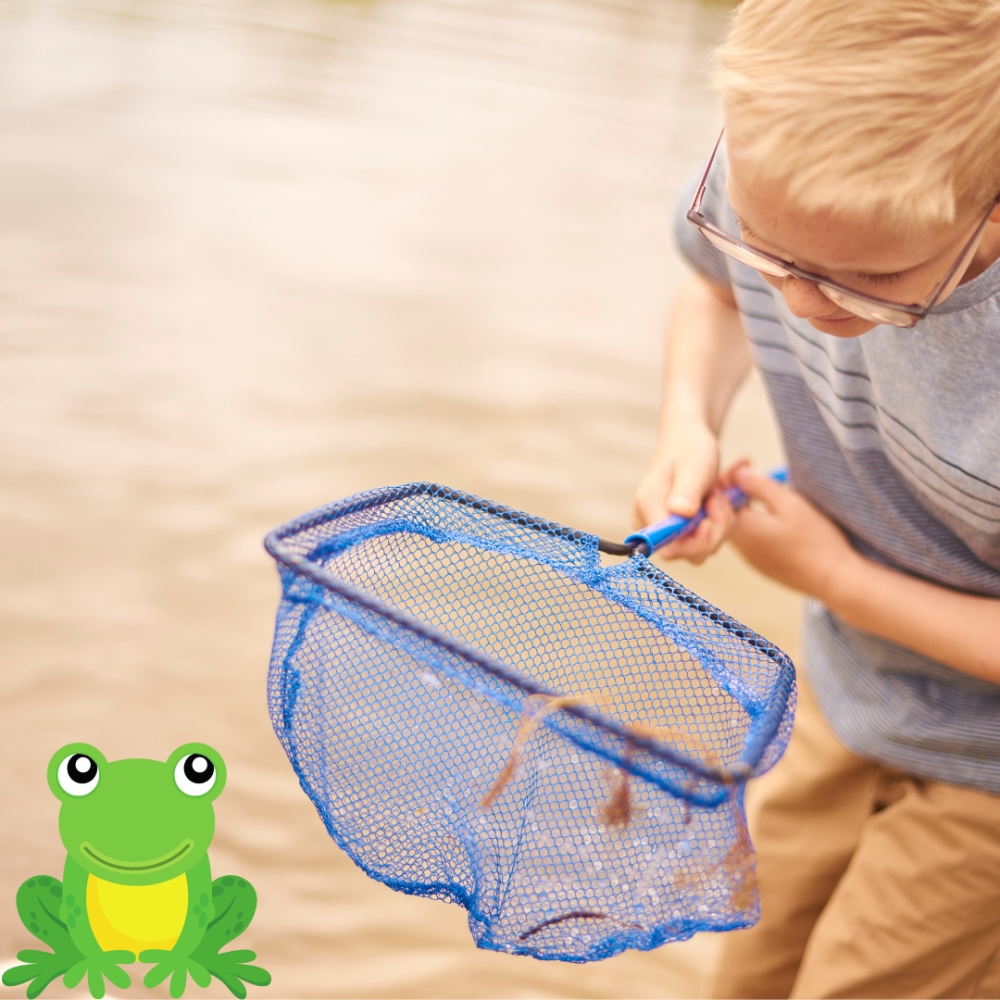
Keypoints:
(483, 713)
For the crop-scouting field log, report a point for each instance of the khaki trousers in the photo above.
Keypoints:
(872, 883)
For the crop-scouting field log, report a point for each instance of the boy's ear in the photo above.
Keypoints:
(995, 214)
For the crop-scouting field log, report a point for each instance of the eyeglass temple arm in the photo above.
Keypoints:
(700, 193)
(936, 294)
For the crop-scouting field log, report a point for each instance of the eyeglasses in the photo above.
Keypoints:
(868, 307)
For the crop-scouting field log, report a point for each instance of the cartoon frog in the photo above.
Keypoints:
(137, 882)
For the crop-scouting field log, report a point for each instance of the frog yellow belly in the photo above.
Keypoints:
(136, 917)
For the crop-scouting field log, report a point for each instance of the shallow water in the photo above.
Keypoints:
(256, 255)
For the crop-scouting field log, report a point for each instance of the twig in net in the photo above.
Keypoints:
(678, 737)
(578, 915)
(619, 810)
(527, 727)
(575, 915)
(738, 864)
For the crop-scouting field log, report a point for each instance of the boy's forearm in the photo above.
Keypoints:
(958, 629)
(707, 355)
(706, 359)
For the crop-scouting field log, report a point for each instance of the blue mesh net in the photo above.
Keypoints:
(483, 713)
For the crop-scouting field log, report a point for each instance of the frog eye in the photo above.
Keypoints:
(194, 774)
(78, 774)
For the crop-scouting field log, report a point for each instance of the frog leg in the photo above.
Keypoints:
(92, 961)
(182, 960)
(38, 902)
(235, 904)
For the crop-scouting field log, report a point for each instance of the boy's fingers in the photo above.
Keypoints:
(691, 481)
(752, 523)
(718, 520)
(720, 516)
(690, 546)
(693, 547)
(707, 537)
(728, 478)
(759, 487)
(650, 506)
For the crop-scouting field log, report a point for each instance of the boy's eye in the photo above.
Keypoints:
(880, 279)
(746, 232)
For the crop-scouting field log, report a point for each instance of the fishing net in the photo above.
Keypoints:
(483, 713)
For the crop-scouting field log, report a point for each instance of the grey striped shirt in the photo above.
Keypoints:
(895, 435)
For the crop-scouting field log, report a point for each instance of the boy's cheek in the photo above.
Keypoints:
(847, 330)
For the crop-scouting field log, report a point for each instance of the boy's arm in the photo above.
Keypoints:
(789, 540)
(706, 360)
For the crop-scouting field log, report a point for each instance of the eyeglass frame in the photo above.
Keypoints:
(918, 312)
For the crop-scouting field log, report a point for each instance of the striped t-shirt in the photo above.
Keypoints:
(895, 435)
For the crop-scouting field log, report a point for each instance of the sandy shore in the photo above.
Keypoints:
(259, 255)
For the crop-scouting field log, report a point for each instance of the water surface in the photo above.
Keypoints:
(256, 255)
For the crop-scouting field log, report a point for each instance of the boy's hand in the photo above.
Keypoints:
(681, 476)
(786, 537)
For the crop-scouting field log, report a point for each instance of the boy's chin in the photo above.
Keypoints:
(851, 326)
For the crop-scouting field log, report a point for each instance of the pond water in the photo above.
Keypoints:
(256, 255)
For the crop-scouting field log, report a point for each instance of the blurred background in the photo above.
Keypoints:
(256, 255)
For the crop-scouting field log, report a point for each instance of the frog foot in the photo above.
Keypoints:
(41, 968)
(169, 963)
(232, 969)
(37, 904)
(97, 967)
(235, 902)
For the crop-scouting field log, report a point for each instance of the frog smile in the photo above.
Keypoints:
(137, 866)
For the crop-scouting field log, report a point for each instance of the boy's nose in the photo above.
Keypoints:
(804, 299)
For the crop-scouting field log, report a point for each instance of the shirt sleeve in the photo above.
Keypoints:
(709, 262)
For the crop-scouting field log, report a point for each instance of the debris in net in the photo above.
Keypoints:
(524, 731)
(575, 915)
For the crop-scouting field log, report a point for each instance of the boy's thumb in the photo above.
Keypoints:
(691, 483)
(758, 487)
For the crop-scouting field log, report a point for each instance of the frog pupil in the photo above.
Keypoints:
(198, 769)
(81, 768)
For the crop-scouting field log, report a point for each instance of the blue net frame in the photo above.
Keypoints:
(483, 713)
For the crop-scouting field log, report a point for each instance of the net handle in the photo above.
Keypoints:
(647, 540)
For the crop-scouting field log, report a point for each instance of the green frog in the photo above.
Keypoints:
(137, 881)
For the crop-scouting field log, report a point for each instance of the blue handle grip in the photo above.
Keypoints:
(655, 536)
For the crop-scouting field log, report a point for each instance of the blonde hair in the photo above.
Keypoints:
(884, 106)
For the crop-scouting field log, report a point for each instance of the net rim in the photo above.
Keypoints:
(733, 774)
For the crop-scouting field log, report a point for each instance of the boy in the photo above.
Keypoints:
(849, 229)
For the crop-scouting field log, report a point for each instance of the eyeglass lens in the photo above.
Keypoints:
(868, 310)
(745, 255)
(860, 307)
